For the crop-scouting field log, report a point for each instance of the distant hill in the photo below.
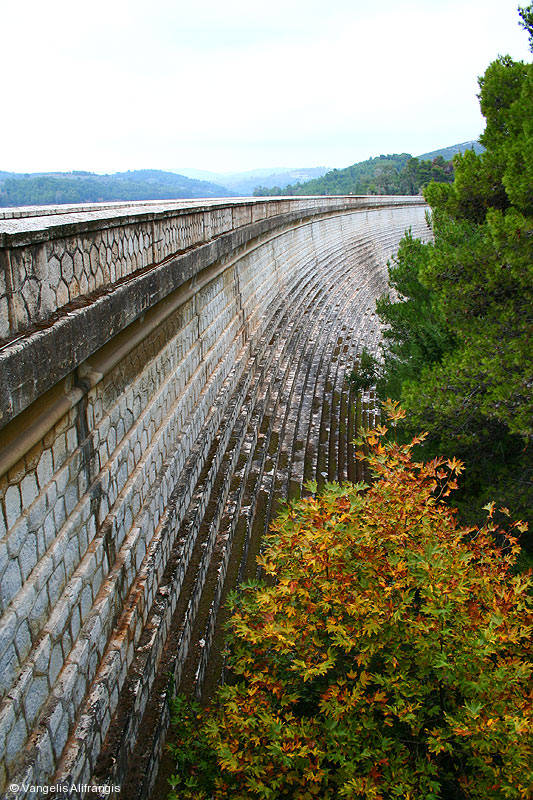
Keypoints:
(380, 175)
(385, 174)
(199, 174)
(244, 183)
(398, 173)
(448, 153)
(86, 187)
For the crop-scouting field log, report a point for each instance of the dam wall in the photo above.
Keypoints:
(169, 371)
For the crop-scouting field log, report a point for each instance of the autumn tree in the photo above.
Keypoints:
(385, 655)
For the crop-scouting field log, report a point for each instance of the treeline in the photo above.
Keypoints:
(457, 351)
(391, 174)
(87, 187)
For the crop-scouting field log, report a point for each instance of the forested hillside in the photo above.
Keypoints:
(87, 187)
(391, 174)
(449, 152)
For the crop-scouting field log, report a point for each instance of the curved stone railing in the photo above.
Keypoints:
(148, 429)
(48, 261)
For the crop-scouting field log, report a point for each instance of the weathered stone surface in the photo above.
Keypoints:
(187, 396)
(8, 669)
(15, 740)
(62, 350)
(11, 581)
(12, 505)
(35, 698)
(45, 469)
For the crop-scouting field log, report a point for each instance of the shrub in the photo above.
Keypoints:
(385, 654)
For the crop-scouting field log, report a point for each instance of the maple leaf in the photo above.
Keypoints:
(455, 465)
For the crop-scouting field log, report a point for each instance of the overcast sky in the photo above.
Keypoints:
(228, 85)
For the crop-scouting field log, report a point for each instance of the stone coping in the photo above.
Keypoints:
(33, 224)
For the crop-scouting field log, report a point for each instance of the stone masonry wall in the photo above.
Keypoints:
(85, 511)
(61, 257)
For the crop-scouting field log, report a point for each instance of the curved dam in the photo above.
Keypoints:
(169, 372)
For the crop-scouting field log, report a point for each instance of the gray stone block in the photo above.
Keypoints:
(56, 583)
(29, 490)
(11, 581)
(8, 627)
(59, 738)
(28, 555)
(45, 468)
(12, 505)
(56, 663)
(23, 641)
(16, 739)
(9, 667)
(42, 658)
(35, 699)
(16, 538)
(45, 760)
(38, 613)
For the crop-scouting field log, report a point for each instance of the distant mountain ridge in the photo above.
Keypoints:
(244, 183)
(448, 153)
(51, 188)
(391, 174)
(396, 173)
(79, 186)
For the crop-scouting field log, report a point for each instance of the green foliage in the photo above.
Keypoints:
(363, 376)
(85, 187)
(518, 149)
(195, 762)
(415, 332)
(477, 187)
(457, 348)
(385, 656)
(526, 22)
(392, 174)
